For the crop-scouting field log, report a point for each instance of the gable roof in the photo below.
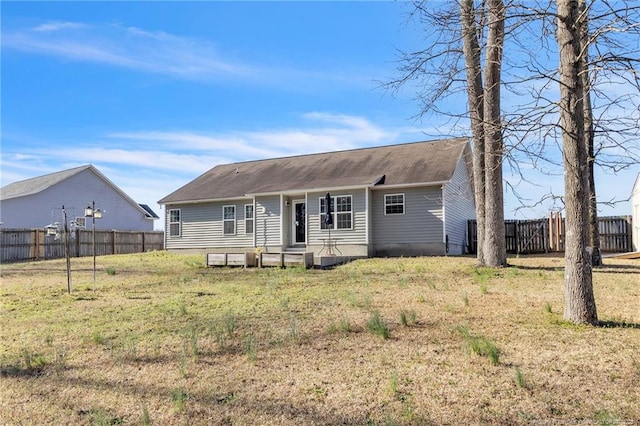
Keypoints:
(38, 184)
(428, 162)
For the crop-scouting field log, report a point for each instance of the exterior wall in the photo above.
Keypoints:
(635, 211)
(419, 231)
(350, 242)
(459, 207)
(268, 213)
(74, 193)
(202, 227)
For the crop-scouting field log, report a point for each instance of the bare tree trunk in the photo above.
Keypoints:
(580, 306)
(494, 239)
(594, 232)
(475, 96)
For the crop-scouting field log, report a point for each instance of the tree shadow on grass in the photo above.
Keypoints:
(618, 324)
(606, 268)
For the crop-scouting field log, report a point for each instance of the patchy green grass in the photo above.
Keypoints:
(167, 341)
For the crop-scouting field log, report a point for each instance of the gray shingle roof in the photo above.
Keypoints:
(403, 164)
(37, 184)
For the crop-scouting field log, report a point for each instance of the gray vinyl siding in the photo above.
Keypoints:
(268, 221)
(356, 235)
(202, 226)
(74, 193)
(421, 222)
(459, 208)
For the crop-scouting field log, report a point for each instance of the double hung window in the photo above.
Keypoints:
(248, 218)
(229, 220)
(394, 204)
(342, 212)
(175, 223)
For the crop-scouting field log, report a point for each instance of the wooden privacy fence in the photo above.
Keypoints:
(33, 244)
(547, 235)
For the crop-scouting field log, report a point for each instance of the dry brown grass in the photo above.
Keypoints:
(166, 341)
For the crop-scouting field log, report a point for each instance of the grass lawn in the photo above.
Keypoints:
(164, 340)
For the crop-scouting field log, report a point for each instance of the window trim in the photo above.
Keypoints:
(224, 220)
(336, 213)
(252, 219)
(178, 222)
(387, 204)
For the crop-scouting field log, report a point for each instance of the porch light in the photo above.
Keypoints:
(94, 214)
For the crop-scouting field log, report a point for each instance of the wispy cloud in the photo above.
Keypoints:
(58, 26)
(159, 52)
(150, 164)
(128, 47)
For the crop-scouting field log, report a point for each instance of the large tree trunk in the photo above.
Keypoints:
(494, 239)
(580, 306)
(471, 48)
(594, 232)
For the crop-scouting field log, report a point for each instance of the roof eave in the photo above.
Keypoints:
(305, 190)
(202, 201)
(410, 185)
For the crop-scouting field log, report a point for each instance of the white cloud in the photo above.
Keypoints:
(58, 26)
(127, 47)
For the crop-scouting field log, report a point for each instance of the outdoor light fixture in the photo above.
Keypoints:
(91, 211)
(94, 214)
(52, 229)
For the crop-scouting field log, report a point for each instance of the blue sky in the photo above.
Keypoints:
(156, 93)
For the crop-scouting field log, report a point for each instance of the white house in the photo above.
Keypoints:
(38, 202)
(635, 214)
(397, 200)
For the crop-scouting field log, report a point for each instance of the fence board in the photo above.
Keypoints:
(544, 235)
(33, 244)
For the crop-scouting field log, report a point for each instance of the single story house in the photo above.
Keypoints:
(398, 200)
(37, 202)
(635, 214)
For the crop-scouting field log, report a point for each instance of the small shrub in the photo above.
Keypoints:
(101, 417)
(110, 271)
(345, 327)
(179, 397)
(342, 326)
(483, 288)
(604, 417)
(480, 345)
(191, 342)
(465, 299)
(60, 359)
(407, 318)
(230, 323)
(293, 328)
(520, 381)
(182, 307)
(98, 338)
(32, 360)
(146, 419)
(394, 384)
(547, 307)
(377, 326)
(250, 349)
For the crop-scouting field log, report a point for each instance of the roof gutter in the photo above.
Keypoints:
(207, 200)
(299, 191)
(409, 185)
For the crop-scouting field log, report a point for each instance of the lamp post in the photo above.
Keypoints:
(94, 214)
